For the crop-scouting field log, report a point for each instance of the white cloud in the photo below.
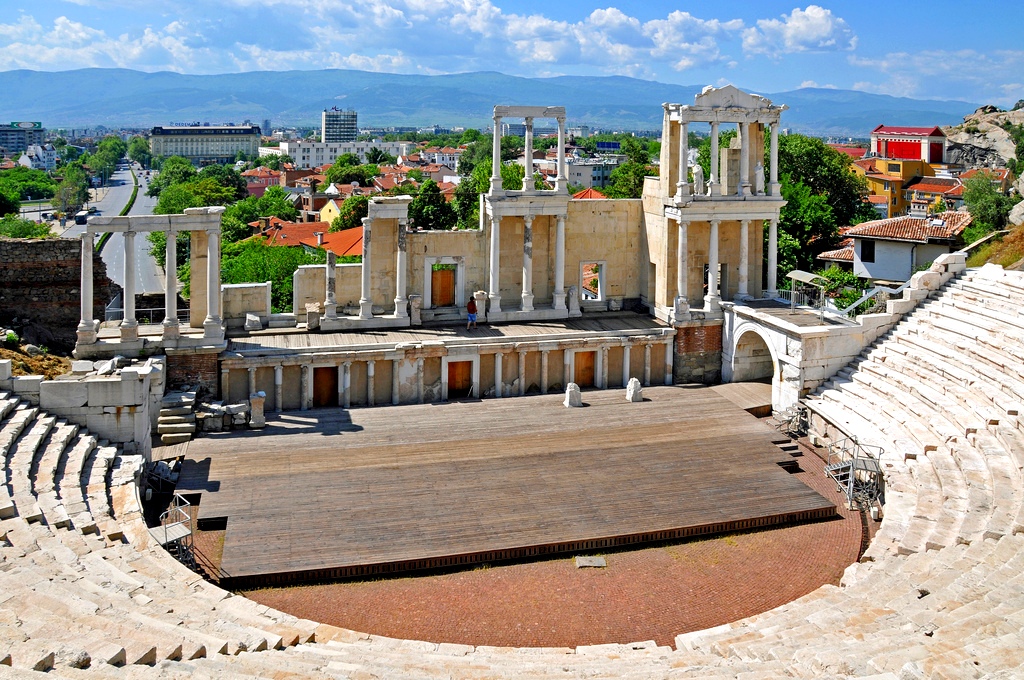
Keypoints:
(802, 30)
(975, 76)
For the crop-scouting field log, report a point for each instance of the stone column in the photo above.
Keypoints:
(744, 260)
(559, 294)
(604, 368)
(773, 254)
(712, 299)
(713, 180)
(129, 326)
(494, 294)
(171, 329)
(527, 264)
(744, 184)
(212, 325)
(774, 187)
(669, 360)
(528, 158)
(395, 384)
(278, 388)
(345, 384)
(544, 371)
(365, 301)
(561, 181)
(499, 381)
(496, 156)
(682, 264)
(400, 271)
(567, 376)
(666, 135)
(625, 365)
(522, 373)
(225, 383)
(331, 301)
(252, 379)
(304, 387)
(371, 367)
(419, 380)
(647, 364)
(86, 325)
(683, 185)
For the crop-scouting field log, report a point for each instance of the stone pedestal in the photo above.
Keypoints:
(681, 310)
(256, 418)
(573, 398)
(634, 392)
(415, 309)
(574, 302)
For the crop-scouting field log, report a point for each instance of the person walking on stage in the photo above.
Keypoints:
(471, 313)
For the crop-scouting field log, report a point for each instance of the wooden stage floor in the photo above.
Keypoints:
(331, 493)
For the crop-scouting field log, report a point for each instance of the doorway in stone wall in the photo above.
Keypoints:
(583, 373)
(325, 386)
(460, 379)
(442, 285)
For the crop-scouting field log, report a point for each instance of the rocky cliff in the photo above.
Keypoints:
(981, 141)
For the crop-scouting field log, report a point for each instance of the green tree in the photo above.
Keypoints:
(627, 180)
(807, 219)
(348, 159)
(26, 183)
(9, 202)
(826, 172)
(199, 193)
(466, 204)
(73, 191)
(379, 157)
(429, 210)
(227, 177)
(273, 203)
(275, 161)
(138, 151)
(254, 262)
(351, 213)
(346, 174)
(13, 226)
(988, 207)
(173, 170)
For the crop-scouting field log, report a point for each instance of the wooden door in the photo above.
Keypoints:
(460, 379)
(325, 386)
(442, 288)
(584, 368)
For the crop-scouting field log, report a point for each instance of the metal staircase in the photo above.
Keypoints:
(855, 470)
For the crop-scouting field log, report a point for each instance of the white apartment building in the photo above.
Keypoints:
(308, 154)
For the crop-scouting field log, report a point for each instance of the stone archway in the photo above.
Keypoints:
(752, 359)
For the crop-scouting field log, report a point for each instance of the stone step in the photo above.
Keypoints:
(176, 438)
(175, 411)
(163, 421)
(176, 428)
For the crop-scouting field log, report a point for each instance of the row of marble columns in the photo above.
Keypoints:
(345, 375)
(713, 297)
(401, 275)
(683, 187)
(129, 327)
(494, 280)
(560, 177)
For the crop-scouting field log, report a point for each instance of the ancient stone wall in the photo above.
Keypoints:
(698, 347)
(39, 286)
(195, 369)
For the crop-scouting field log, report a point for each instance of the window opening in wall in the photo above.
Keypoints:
(722, 279)
(867, 251)
(592, 281)
(460, 379)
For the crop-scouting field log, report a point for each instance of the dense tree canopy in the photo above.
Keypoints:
(9, 202)
(429, 210)
(73, 191)
(253, 261)
(13, 226)
(138, 151)
(228, 178)
(196, 194)
(26, 183)
(173, 170)
(989, 208)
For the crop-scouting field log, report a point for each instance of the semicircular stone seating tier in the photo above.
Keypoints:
(938, 594)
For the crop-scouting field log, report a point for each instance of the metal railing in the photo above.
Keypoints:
(148, 315)
(855, 469)
(175, 530)
(879, 293)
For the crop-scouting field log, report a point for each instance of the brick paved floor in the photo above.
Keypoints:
(652, 593)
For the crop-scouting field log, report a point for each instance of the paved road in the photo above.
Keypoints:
(149, 276)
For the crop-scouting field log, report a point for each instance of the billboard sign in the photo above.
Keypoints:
(608, 146)
(26, 125)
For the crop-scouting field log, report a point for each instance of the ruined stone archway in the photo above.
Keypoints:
(752, 358)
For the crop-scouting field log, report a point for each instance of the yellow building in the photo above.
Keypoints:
(887, 177)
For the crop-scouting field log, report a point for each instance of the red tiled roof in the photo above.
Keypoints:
(842, 254)
(906, 131)
(851, 151)
(589, 193)
(262, 173)
(943, 226)
(282, 233)
(881, 200)
(932, 185)
(345, 242)
(995, 174)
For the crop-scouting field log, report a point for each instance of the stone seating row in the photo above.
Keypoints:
(949, 608)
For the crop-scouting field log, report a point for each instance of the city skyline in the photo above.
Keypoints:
(773, 46)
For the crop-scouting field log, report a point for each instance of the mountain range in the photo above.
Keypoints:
(127, 98)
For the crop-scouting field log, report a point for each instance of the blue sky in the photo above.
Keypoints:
(938, 49)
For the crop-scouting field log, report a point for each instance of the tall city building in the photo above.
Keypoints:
(19, 136)
(338, 126)
(204, 144)
(266, 129)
